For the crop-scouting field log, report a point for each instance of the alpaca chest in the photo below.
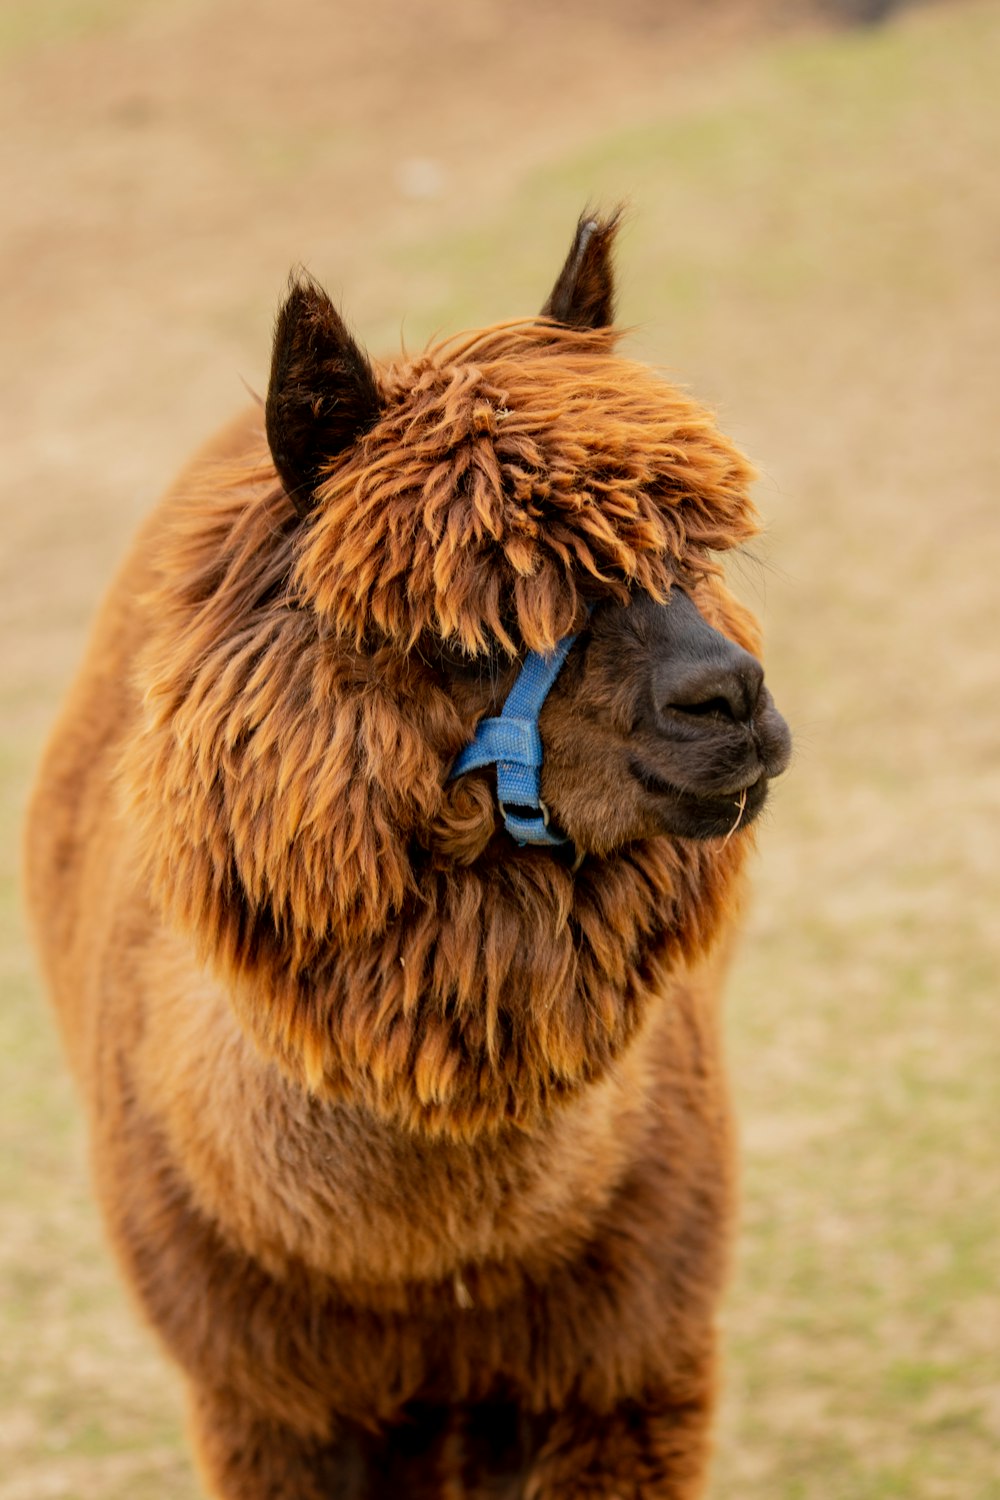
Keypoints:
(294, 1179)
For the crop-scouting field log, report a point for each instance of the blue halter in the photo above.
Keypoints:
(512, 740)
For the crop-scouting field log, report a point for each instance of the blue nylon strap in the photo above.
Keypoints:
(512, 741)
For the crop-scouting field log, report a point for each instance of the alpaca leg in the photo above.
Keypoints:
(243, 1455)
(643, 1450)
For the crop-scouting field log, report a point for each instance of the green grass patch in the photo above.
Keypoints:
(26, 27)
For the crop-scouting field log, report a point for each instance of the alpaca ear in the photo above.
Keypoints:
(322, 394)
(584, 294)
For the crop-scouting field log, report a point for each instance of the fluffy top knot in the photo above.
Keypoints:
(512, 474)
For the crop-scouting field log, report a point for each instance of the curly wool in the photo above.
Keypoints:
(513, 472)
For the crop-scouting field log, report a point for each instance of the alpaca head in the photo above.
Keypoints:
(325, 644)
(508, 490)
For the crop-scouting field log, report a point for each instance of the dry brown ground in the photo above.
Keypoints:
(814, 244)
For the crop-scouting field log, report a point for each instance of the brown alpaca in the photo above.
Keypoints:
(412, 1141)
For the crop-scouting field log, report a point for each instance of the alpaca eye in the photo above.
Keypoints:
(456, 663)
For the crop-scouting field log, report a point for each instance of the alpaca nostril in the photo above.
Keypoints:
(720, 708)
(721, 689)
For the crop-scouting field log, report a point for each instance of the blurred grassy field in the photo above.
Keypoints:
(815, 247)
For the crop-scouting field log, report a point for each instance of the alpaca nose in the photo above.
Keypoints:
(723, 683)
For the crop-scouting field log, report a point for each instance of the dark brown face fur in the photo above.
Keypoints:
(657, 724)
(665, 720)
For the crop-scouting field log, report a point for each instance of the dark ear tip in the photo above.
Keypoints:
(595, 225)
(583, 296)
(603, 223)
(304, 298)
(322, 395)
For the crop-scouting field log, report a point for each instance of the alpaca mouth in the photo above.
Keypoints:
(691, 813)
